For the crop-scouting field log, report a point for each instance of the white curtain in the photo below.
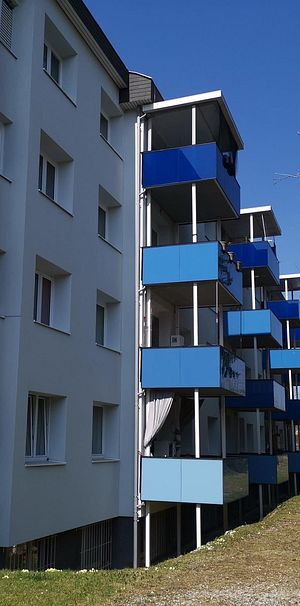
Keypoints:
(157, 411)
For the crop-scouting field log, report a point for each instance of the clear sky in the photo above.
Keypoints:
(250, 49)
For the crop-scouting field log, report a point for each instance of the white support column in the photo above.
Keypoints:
(147, 537)
(288, 340)
(178, 517)
(271, 433)
(223, 426)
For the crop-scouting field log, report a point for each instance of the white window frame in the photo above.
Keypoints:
(47, 68)
(98, 455)
(43, 189)
(39, 298)
(103, 305)
(105, 210)
(32, 410)
(102, 113)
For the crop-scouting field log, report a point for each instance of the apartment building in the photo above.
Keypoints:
(137, 392)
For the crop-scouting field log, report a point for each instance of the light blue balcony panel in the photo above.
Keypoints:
(265, 394)
(218, 193)
(242, 326)
(286, 310)
(214, 370)
(205, 481)
(268, 469)
(259, 256)
(283, 359)
(203, 262)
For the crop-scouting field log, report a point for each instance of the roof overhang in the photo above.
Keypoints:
(292, 281)
(216, 96)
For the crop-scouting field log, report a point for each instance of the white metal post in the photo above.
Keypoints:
(178, 516)
(147, 536)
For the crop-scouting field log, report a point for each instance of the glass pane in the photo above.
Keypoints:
(55, 65)
(45, 57)
(101, 222)
(100, 325)
(41, 428)
(41, 173)
(46, 300)
(36, 294)
(97, 430)
(103, 126)
(50, 180)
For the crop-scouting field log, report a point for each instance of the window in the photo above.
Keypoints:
(55, 173)
(104, 126)
(45, 428)
(37, 427)
(52, 63)
(52, 295)
(59, 59)
(47, 172)
(100, 312)
(101, 222)
(97, 439)
(6, 23)
(108, 321)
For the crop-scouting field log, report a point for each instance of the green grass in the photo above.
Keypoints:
(257, 555)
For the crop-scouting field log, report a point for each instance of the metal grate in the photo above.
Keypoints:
(6, 24)
(34, 555)
(96, 545)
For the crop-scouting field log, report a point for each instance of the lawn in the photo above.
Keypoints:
(258, 564)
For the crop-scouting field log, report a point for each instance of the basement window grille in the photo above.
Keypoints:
(96, 546)
(34, 555)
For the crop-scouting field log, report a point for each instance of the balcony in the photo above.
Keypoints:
(291, 412)
(203, 262)
(294, 462)
(284, 359)
(241, 326)
(268, 469)
(286, 310)
(264, 394)
(169, 172)
(206, 481)
(261, 257)
(214, 370)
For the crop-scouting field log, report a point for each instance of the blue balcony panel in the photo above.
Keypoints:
(259, 256)
(284, 359)
(206, 481)
(268, 469)
(242, 326)
(265, 394)
(294, 462)
(204, 262)
(291, 412)
(169, 173)
(214, 370)
(286, 310)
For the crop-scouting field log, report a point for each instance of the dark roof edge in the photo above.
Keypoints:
(100, 38)
(140, 91)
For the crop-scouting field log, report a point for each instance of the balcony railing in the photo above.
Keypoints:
(218, 191)
(259, 256)
(265, 394)
(214, 370)
(284, 359)
(268, 469)
(206, 481)
(242, 326)
(203, 262)
(286, 310)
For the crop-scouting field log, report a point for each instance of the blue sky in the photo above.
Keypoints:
(249, 50)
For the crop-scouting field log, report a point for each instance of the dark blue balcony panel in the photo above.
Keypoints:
(206, 481)
(265, 394)
(268, 469)
(286, 310)
(291, 413)
(203, 262)
(284, 359)
(214, 370)
(218, 193)
(294, 462)
(242, 326)
(260, 257)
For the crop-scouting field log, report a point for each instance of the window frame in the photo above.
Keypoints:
(38, 298)
(102, 306)
(104, 211)
(47, 65)
(33, 403)
(98, 455)
(106, 118)
(43, 176)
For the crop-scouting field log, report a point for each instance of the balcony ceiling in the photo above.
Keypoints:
(264, 223)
